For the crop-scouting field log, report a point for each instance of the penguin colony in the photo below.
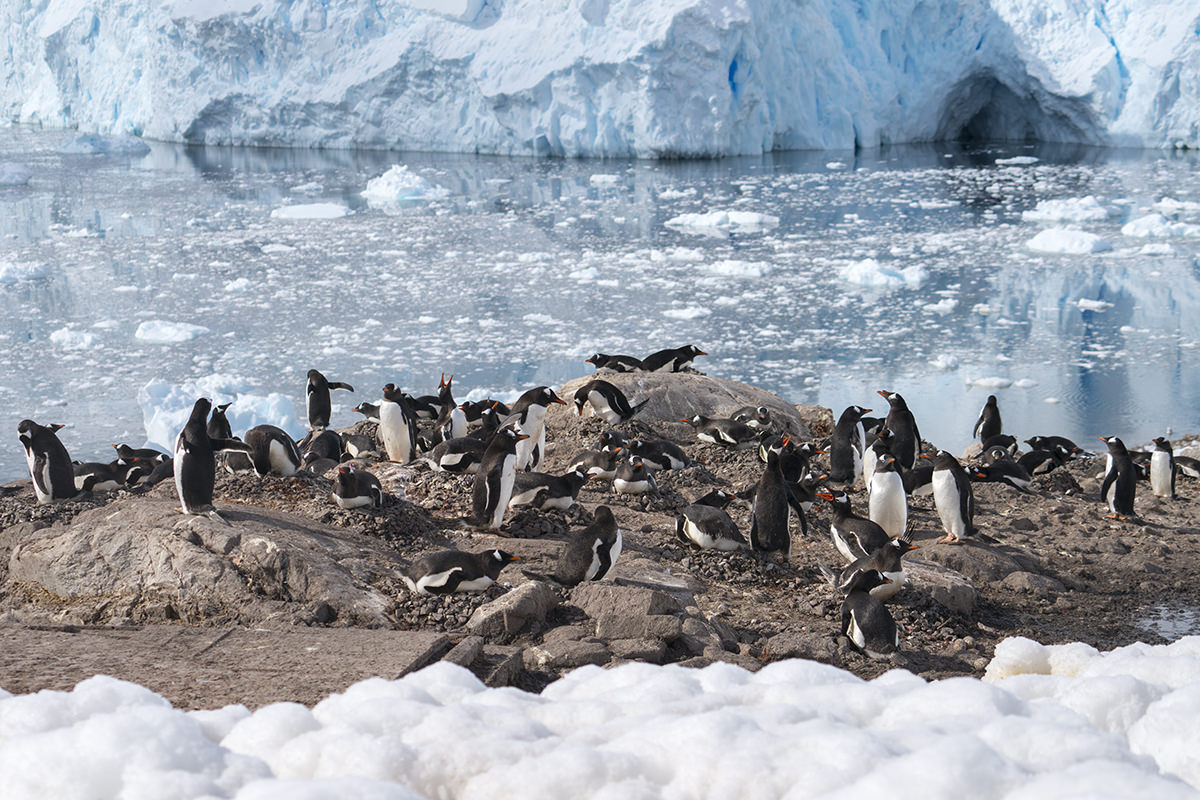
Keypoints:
(501, 448)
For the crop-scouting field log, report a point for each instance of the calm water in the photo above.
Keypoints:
(527, 267)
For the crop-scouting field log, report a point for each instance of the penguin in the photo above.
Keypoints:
(272, 451)
(769, 522)
(476, 410)
(494, 480)
(607, 363)
(953, 498)
(756, 417)
(853, 536)
(887, 558)
(316, 399)
(888, 504)
(368, 410)
(847, 445)
(128, 455)
(459, 456)
(880, 445)
(918, 481)
(606, 401)
(49, 464)
(356, 445)
(707, 525)
(591, 554)
(545, 491)
(1041, 462)
(659, 453)
(1162, 469)
(355, 488)
(906, 444)
(599, 464)
(195, 464)
(450, 571)
(721, 431)
(611, 440)
(673, 360)
(1003, 471)
(320, 444)
(1188, 466)
(218, 426)
(1049, 442)
(988, 424)
(530, 414)
(96, 476)
(1120, 479)
(162, 471)
(865, 620)
(452, 421)
(634, 477)
(397, 425)
(1002, 440)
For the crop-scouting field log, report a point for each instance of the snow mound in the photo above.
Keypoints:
(1068, 241)
(721, 223)
(157, 331)
(1071, 209)
(166, 407)
(399, 187)
(13, 174)
(871, 273)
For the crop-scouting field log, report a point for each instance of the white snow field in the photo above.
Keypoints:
(1045, 722)
(631, 78)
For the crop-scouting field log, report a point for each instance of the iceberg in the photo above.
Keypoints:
(621, 78)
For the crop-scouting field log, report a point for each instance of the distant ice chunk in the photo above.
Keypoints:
(90, 144)
(1025, 383)
(739, 269)
(721, 223)
(400, 186)
(1069, 241)
(15, 272)
(1177, 208)
(943, 306)
(677, 194)
(1087, 304)
(984, 308)
(1017, 161)
(166, 407)
(990, 383)
(1156, 249)
(157, 331)
(604, 181)
(277, 248)
(945, 362)
(871, 273)
(1053, 401)
(1071, 209)
(687, 312)
(13, 174)
(241, 284)
(69, 339)
(1158, 225)
(311, 211)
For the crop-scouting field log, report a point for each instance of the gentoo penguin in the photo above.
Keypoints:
(865, 620)
(906, 441)
(599, 464)
(455, 571)
(918, 481)
(272, 451)
(591, 553)
(195, 464)
(1120, 479)
(476, 410)
(881, 444)
(48, 460)
(545, 491)
(96, 476)
(707, 525)
(129, 455)
(452, 421)
(1041, 462)
(368, 410)
(847, 445)
(1002, 440)
(1051, 442)
(888, 504)
(769, 522)
(316, 399)
(357, 445)
(605, 362)
(853, 536)
(634, 477)
(397, 425)
(494, 480)
(659, 453)
(673, 360)
(756, 417)
(1188, 466)
(611, 440)
(218, 426)
(355, 488)
(1162, 469)
(530, 414)
(721, 431)
(162, 471)
(887, 559)
(988, 424)
(320, 444)
(606, 401)
(953, 498)
(459, 456)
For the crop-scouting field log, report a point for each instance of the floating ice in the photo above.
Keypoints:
(687, 312)
(871, 273)
(15, 272)
(1069, 241)
(1017, 161)
(1025, 383)
(945, 362)
(1051, 401)
(990, 383)
(738, 269)
(1071, 209)
(1158, 225)
(721, 223)
(159, 331)
(241, 284)
(12, 174)
(1087, 304)
(166, 407)
(603, 181)
(943, 306)
(89, 144)
(1171, 207)
(984, 308)
(311, 211)
(399, 187)
(69, 339)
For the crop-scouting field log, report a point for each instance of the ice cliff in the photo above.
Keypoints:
(646, 78)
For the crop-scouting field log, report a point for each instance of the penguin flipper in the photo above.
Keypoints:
(341, 385)
(1109, 478)
(38, 473)
(829, 574)
(229, 444)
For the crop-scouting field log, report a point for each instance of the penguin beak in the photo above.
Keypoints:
(927, 458)
(522, 436)
(786, 439)
(824, 496)
(909, 546)
(701, 353)
(882, 393)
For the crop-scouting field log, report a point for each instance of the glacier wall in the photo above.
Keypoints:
(645, 78)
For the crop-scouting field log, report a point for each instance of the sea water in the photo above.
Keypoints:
(1064, 280)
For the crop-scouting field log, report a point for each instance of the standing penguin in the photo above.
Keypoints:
(769, 523)
(530, 412)
(865, 620)
(1120, 479)
(607, 402)
(953, 498)
(195, 464)
(397, 425)
(591, 553)
(847, 446)
(218, 423)
(880, 445)
(316, 399)
(49, 464)
(888, 503)
(906, 441)
(494, 480)
(988, 424)
(1162, 469)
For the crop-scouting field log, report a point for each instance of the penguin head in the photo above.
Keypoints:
(1115, 445)
(834, 498)
(694, 351)
(580, 399)
(316, 378)
(26, 427)
(864, 580)
(1162, 443)
(603, 515)
(501, 557)
(886, 463)
(200, 410)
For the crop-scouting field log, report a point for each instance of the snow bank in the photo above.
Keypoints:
(871, 273)
(606, 77)
(399, 187)
(166, 407)
(1068, 241)
(1052, 721)
(158, 331)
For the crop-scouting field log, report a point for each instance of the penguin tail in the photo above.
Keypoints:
(635, 408)
(829, 575)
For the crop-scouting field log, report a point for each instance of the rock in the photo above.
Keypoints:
(947, 587)
(499, 665)
(598, 598)
(565, 633)
(979, 562)
(639, 626)
(465, 652)
(1032, 583)
(802, 644)
(652, 650)
(514, 613)
(728, 636)
(563, 655)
